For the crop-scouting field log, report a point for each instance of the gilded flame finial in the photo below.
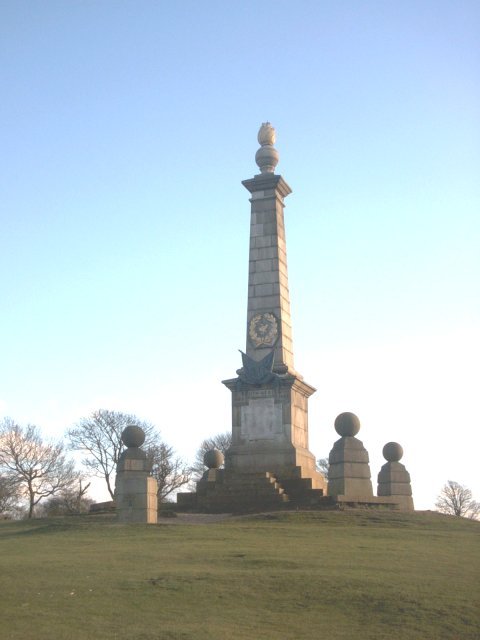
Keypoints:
(266, 134)
(267, 156)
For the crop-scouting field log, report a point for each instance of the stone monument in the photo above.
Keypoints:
(269, 398)
(135, 489)
(349, 478)
(269, 462)
(394, 479)
(349, 475)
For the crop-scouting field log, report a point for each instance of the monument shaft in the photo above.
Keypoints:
(269, 399)
(268, 316)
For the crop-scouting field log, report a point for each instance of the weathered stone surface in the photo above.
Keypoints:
(136, 497)
(270, 429)
(268, 257)
(393, 478)
(269, 408)
(235, 492)
(347, 424)
(133, 436)
(392, 452)
(349, 470)
(213, 459)
(135, 490)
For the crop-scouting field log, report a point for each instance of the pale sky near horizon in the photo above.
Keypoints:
(126, 129)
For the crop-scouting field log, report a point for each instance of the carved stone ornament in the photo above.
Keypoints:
(263, 330)
(254, 372)
(266, 134)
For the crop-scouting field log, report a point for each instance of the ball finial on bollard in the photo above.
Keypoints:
(133, 436)
(392, 452)
(347, 424)
(213, 459)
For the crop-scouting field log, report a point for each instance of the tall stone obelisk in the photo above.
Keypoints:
(269, 398)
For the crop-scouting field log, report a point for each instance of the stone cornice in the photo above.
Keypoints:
(289, 381)
(263, 182)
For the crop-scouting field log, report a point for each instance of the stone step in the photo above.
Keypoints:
(241, 492)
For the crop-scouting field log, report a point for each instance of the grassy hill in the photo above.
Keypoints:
(336, 575)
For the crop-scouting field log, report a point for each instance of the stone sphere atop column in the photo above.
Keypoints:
(133, 436)
(213, 459)
(392, 452)
(347, 424)
(267, 156)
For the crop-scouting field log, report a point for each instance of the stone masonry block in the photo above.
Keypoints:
(395, 489)
(264, 216)
(263, 253)
(256, 230)
(282, 268)
(263, 290)
(269, 228)
(264, 277)
(264, 205)
(263, 265)
(266, 303)
(264, 241)
(349, 470)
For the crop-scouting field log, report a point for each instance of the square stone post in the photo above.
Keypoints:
(135, 489)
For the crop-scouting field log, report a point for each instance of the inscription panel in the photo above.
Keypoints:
(261, 419)
(244, 397)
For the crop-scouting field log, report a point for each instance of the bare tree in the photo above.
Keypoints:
(169, 471)
(71, 501)
(221, 441)
(457, 500)
(322, 466)
(99, 438)
(38, 469)
(8, 494)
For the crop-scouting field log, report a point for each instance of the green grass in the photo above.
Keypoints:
(336, 575)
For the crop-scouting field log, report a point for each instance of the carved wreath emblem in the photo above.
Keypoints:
(263, 330)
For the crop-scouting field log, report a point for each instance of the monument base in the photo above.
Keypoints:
(136, 498)
(349, 470)
(221, 491)
(394, 483)
(270, 430)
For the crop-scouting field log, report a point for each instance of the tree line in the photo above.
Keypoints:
(39, 477)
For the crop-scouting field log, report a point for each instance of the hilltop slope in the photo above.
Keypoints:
(364, 574)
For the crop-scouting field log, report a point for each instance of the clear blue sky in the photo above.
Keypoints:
(126, 129)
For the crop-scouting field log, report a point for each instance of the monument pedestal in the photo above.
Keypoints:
(136, 497)
(270, 430)
(135, 489)
(394, 479)
(349, 469)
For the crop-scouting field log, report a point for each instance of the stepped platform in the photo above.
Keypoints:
(222, 491)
